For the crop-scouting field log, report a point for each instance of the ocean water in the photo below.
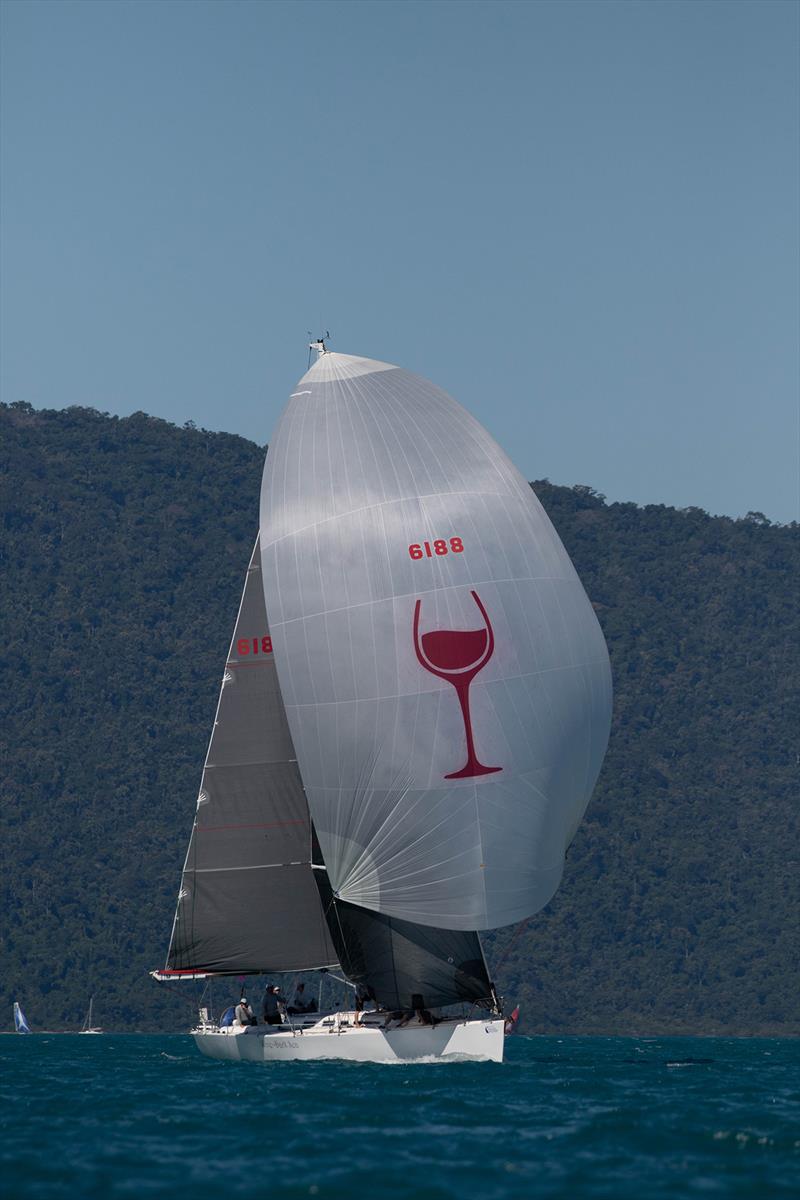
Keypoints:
(147, 1116)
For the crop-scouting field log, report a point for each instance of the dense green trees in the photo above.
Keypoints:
(123, 552)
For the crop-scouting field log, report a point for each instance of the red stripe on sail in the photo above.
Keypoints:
(260, 825)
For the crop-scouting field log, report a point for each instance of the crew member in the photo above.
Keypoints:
(364, 995)
(244, 1014)
(273, 1005)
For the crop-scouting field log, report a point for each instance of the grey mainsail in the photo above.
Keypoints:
(446, 682)
(248, 902)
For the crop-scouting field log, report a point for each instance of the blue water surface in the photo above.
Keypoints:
(147, 1116)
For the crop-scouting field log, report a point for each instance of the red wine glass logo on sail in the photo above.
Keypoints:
(457, 655)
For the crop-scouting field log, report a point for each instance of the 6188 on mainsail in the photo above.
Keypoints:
(412, 718)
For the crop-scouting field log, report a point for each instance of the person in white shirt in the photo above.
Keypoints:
(244, 1014)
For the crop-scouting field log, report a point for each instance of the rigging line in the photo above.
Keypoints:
(522, 925)
(475, 1004)
(491, 982)
(344, 940)
(324, 929)
(339, 979)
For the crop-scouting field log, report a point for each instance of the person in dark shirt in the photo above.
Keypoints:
(273, 1005)
(364, 995)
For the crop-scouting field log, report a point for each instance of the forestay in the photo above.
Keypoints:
(445, 679)
(248, 902)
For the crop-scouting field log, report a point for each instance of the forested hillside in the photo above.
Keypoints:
(124, 547)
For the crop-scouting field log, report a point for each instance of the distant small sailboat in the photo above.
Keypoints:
(20, 1023)
(87, 1026)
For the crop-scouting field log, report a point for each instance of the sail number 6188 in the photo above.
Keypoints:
(453, 545)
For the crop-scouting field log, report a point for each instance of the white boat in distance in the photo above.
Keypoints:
(413, 714)
(87, 1026)
(20, 1023)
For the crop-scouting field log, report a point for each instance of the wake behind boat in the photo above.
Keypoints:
(403, 751)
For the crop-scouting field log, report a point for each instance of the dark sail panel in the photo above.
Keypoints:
(248, 902)
(400, 960)
(276, 928)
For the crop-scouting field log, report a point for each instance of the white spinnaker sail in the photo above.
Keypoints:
(445, 678)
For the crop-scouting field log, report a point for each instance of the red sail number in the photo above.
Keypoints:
(262, 645)
(453, 545)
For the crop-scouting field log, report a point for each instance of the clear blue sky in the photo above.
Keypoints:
(579, 219)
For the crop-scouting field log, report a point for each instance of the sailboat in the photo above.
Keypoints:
(413, 713)
(87, 1026)
(20, 1023)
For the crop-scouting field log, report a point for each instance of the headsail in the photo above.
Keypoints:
(400, 960)
(248, 902)
(446, 682)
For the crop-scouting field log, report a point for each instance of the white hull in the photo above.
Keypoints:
(337, 1036)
